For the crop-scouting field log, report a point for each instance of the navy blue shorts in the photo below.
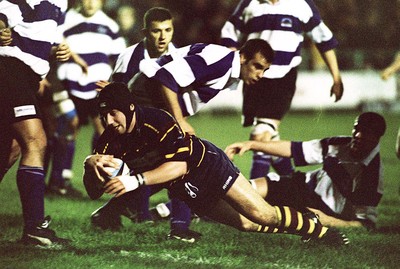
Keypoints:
(19, 85)
(85, 109)
(204, 185)
(269, 98)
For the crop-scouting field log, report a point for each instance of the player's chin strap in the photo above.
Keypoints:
(131, 183)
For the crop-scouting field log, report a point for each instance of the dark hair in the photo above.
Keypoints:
(372, 121)
(253, 46)
(156, 14)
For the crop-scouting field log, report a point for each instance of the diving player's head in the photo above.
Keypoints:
(117, 107)
(367, 131)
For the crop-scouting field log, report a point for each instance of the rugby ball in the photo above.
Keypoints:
(121, 170)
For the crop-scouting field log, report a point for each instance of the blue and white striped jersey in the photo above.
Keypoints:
(197, 73)
(127, 65)
(34, 30)
(342, 181)
(283, 25)
(96, 40)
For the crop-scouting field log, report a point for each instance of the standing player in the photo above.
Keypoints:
(158, 31)
(95, 43)
(348, 187)
(386, 74)
(282, 23)
(27, 38)
(157, 152)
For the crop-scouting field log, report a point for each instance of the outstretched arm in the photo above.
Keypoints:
(280, 148)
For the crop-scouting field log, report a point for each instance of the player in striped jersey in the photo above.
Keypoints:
(191, 76)
(27, 40)
(158, 32)
(95, 42)
(348, 187)
(192, 169)
(283, 23)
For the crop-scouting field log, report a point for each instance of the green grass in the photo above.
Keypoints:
(144, 246)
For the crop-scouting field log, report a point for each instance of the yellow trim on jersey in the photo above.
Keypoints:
(167, 132)
(151, 127)
(202, 155)
(180, 150)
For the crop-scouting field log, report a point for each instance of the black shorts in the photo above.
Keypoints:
(85, 109)
(293, 191)
(269, 98)
(203, 186)
(19, 85)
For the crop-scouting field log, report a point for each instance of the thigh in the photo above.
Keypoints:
(225, 214)
(245, 200)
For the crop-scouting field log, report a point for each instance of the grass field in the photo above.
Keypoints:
(144, 245)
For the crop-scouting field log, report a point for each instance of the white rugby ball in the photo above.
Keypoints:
(121, 170)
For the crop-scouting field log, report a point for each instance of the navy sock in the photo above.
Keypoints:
(31, 185)
(180, 215)
(56, 178)
(143, 203)
(260, 165)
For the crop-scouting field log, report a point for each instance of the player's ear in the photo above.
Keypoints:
(242, 58)
(132, 107)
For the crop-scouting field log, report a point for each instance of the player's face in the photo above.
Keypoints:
(158, 36)
(253, 69)
(363, 141)
(89, 7)
(116, 120)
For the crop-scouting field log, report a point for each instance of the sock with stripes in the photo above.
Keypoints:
(294, 222)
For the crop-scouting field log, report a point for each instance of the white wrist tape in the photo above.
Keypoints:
(131, 183)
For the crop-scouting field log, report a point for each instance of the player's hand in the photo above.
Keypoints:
(98, 163)
(63, 53)
(5, 37)
(101, 84)
(337, 90)
(237, 148)
(81, 62)
(122, 184)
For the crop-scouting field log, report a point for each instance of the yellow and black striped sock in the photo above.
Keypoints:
(294, 222)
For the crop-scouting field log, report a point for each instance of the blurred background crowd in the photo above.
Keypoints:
(368, 30)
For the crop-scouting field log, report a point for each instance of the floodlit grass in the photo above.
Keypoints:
(144, 245)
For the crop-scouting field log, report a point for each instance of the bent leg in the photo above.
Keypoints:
(246, 201)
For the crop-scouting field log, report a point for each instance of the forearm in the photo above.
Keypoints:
(279, 148)
(331, 61)
(166, 172)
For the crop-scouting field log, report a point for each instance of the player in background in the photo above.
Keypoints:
(185, 80)
(159, 153)
(158, 31)
(28, 40)
(283, 23)
(345, 191)
(386, 74)
(95, 44)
